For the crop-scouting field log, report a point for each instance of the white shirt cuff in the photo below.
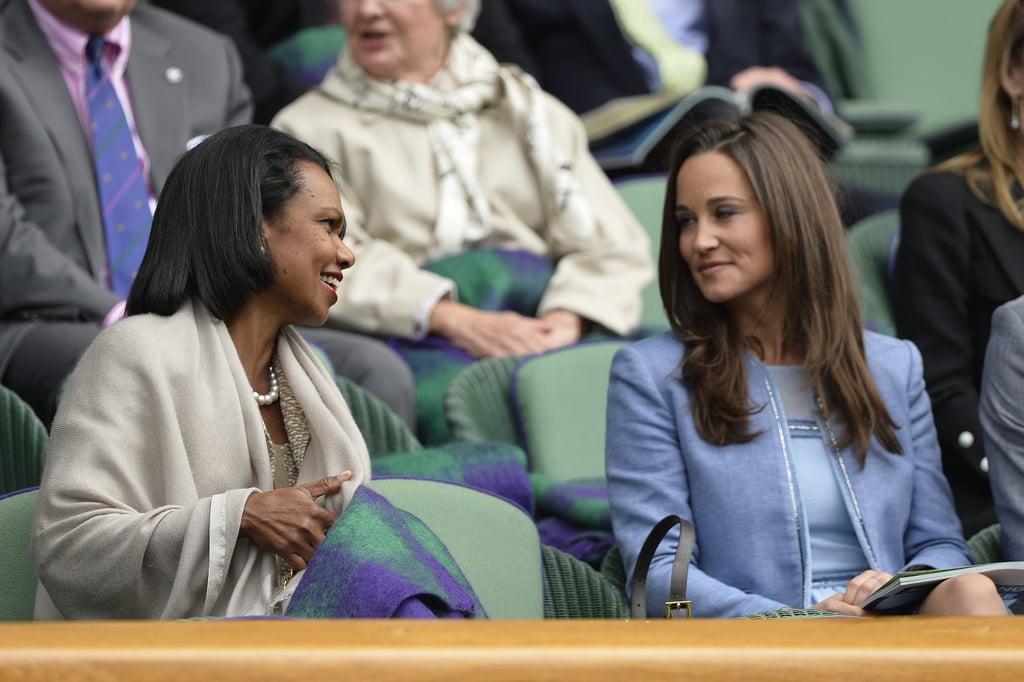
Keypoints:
(421, 324)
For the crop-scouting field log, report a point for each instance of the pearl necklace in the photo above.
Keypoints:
(264, 399)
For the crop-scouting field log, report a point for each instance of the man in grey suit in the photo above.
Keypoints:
(181, 82)
(1002, 422)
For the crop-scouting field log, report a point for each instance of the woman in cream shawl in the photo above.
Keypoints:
(443, 152)
(201, 450)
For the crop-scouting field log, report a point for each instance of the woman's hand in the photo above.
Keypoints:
(857, 590)
(288, 522)
(566, 328)
(486, 334)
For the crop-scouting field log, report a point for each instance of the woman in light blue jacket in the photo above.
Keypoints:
(801, 448)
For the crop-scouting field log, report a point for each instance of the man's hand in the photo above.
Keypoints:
(753, 76)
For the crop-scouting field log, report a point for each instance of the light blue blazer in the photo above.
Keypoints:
(751, 551)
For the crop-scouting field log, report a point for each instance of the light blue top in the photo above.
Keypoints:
(752, 548)
(835, 555)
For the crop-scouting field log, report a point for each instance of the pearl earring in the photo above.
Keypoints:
(1014, 114)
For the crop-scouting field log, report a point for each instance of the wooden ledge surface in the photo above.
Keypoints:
(892, 648)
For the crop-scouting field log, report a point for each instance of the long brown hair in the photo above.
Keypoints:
(992, 170)
(812, 278)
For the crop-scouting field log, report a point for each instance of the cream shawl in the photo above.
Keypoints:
(154, 451)
(470, 82)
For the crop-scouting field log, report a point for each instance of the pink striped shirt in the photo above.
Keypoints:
(68, 45)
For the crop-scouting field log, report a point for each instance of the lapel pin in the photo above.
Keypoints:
(173, 74)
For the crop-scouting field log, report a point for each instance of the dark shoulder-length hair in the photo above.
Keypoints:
(207, 237)
(812, 279)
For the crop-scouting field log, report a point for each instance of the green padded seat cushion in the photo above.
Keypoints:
(17, 574)
(23, 443)
(560, 400)
(494, 542)
(645, 197)
(572, 589)
(383, 430)
(871, 243)
(478, 402)
(986, 546)
(381, 561)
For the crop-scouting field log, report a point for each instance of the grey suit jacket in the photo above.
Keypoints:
(1002, 421)
(185, 81)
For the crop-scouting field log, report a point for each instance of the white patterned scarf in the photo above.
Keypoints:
(463, 217)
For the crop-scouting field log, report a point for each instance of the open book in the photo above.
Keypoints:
(906, 590)
(635, 134)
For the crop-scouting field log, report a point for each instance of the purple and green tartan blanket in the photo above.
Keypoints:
(488, 279)
(379, 561)
(572, 516)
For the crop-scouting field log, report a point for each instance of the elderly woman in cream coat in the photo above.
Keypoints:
(201, 449)
(443, 151)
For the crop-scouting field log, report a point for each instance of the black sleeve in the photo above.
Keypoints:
(498, 30)
(932, 304)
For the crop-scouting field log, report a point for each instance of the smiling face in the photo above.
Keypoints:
(398, 39)
(306, 247)
(723, 234)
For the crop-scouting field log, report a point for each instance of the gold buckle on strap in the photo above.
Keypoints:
(672, 606)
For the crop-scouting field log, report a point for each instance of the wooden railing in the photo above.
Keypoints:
(933, 649)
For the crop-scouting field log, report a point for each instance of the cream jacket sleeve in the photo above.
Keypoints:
(600, 279)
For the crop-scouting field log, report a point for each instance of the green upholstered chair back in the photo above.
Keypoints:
(870, 244)
(986, 545)
(384, 431)
(833, 46)
(494, 542)
(645, 196)
(924, 55)
(882, 155)
(560, 399)
(23, 443)
(478, 402)
(17, 574)
(906, 75)
(572, 589)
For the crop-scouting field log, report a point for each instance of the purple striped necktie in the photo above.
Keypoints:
(122, 186)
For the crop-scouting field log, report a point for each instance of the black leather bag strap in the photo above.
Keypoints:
(677, 585)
